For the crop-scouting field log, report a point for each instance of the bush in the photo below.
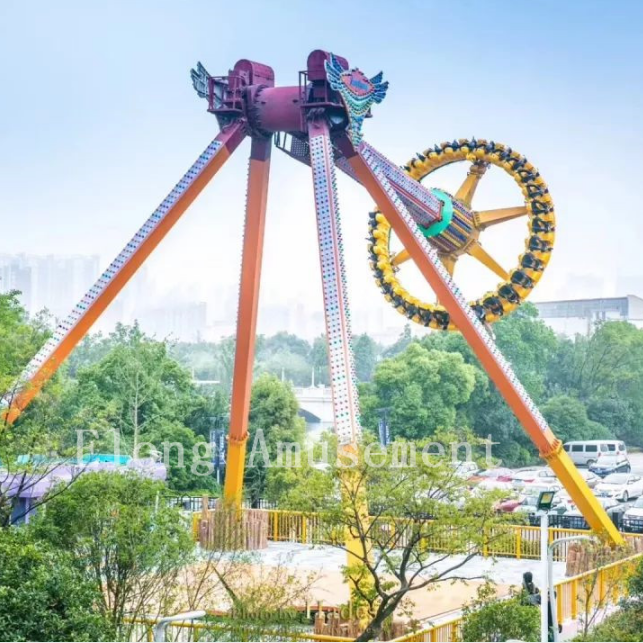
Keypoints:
(490, 618)
(43, 596)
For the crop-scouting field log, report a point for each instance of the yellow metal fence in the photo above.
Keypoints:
(513, 541)
(188, 631)
(576, 597)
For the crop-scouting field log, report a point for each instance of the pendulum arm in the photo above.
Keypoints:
(258, 175)
(337, 316)
(367, 165)
(71, 331)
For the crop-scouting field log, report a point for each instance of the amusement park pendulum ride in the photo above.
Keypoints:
(319, 123)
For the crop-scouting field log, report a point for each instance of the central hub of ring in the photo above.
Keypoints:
(453, 234)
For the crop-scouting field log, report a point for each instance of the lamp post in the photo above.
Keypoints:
(544, 504)
(384, 427)
(218, 445)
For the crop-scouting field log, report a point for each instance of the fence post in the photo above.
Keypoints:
(304, 530)
(574, 599)
(518, 542)
(559, 606)
(601, 586)
(485, 542)
(275, 526)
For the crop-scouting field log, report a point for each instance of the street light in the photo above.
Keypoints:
(544, 504)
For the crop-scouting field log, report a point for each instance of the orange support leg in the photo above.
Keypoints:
(247, 317)
(71, 331)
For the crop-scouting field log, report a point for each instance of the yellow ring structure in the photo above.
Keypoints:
(531, 264)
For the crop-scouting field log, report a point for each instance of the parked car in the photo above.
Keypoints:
(636, 510)
(532, 475)
(606, 502)
(590, 477)
(610, 464)
(501, 474)
(509, 505)
(633, 517)
(465, 469)
(587, 452)
(621, 486)
(491, 484)
(528, 505)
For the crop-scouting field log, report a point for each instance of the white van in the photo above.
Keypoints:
(586, 452)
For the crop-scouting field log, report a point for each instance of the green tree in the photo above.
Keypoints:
(530, 346)
(273, 419)
(401, 344)
(188, 458)
(402, 485)
(20, 339)
(123, 539)
(605, 371)
(490, 618)
(617, 415)
(43, 596)
(134, 385)
(319, 359)
(138, 391)
(366, 353)
(423, 390)
(29, 448)
(568, 419)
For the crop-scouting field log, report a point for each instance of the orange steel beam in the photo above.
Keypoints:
(71, 331)
(247, 317)
(365, 166)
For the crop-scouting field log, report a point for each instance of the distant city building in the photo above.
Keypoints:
(183, 321)
(579, 316)
(53, 282)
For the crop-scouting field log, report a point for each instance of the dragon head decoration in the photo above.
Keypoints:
(358, 93)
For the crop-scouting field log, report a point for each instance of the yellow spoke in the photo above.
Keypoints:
(467, 189)
(401, 257)
(449, 263)
(477, 251)
(486, 218)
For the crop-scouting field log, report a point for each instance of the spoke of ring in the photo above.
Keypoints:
(477, 251)
(467, 189)
(486, 218)
(449, 263)
(402, 256)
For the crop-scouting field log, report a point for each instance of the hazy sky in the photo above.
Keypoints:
(98, 120)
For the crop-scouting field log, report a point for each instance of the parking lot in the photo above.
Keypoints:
(636, 460)
(621, 495)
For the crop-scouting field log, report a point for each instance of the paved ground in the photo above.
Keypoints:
(443, 601)
(507, 571)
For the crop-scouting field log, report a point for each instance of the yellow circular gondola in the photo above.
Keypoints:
(459, 233)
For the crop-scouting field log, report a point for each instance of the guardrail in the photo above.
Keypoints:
(195, 503)
(596, 589)
(514, 541)
(187, 631)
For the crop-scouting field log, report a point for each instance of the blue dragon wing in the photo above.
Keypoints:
(200, 78)
(334, 70)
